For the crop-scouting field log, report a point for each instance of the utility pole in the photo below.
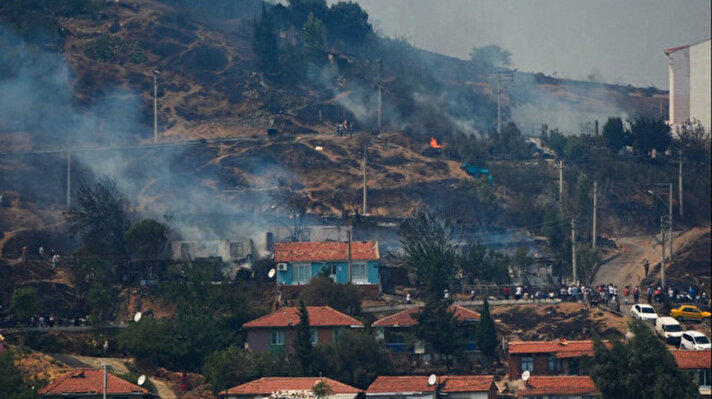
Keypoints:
(573, 247)
(561, 180)
(155, 105)
(69, 181)
(593, 244)
(380, 70)
(365, 191)
(350, 240)
(662, 245)
(679, 188)
(670, 217)
(106, 379)
(504, 78)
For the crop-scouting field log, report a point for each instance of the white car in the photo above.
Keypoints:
(643, 312)
(668, 329)
(694, 340)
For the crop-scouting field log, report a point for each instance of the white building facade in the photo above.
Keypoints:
(689, 74)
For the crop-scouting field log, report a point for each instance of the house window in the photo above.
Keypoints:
(306, 235)
(574, 368)
(700, 377)
(302, 273)
(314, 336)
(552, 364)
(528, 364)
(359, 274)
(235, 249)
(276, 337)
(185, 251)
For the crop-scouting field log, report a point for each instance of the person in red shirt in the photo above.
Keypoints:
(506, 292)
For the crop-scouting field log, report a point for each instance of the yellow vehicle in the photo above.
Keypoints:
(689, 312)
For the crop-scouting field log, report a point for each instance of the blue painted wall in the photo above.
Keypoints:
(342, 272)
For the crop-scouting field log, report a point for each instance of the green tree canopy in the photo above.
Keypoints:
(12, 384)
(323, 291)
(490, 58)
(303, 349)
(438, 327)
(486, 334)
(615, 134)
(314, 47)
(642, 368)
(649, 133)
(146, 239)
(25, 302)
(229, 367)
(427, 241)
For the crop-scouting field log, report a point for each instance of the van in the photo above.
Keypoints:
(668, 329)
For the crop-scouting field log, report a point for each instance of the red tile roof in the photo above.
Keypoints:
(400, 384)
(468, 383)
(406, 317)
(80, 381)
(559, 385)
(693, 359)
(325, 251)
(449, 383)
(269, 385)
(674, 49)
(319, 316)
(561, 349)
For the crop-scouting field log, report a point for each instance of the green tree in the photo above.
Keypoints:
(439, 328)
(490, 58)
(356, 358)
(323, 291)
(265, 42)
(314, 48)
(99, 301)
(12, 384)
(229, 367)
(429, 251)
(25, 302)
(348, 22)
(100, 219)
(321, 390)
(486, 335)
(303, 349)
(642, 368)
(479, 263)
(146, 239)
(614, 133)
(649, 133)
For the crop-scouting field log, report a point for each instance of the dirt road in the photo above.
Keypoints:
(627, 268)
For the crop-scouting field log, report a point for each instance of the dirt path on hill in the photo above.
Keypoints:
(627, 268)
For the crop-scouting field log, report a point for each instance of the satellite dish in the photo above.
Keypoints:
(137, 317)
(141, 379)
(271, 273)
(432, 379)
(525, 376)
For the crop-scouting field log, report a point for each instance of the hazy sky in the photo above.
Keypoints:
(622, 40)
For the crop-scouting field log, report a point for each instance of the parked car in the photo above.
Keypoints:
(643, 312)
(668, 329)
(689, 312)
(694, 340)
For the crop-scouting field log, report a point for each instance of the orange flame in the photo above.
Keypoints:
(434, 143)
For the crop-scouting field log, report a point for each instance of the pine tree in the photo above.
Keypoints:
(303, 349)
(265, 43)
(439, 328)
(314, 33)
(486, 333)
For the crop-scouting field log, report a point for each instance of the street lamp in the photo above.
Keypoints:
(156, 72)
(663, 221)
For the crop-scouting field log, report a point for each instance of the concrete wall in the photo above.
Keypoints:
(679, 75)
(191, 250)
(700, 83)
(286, 277)
(258, 339)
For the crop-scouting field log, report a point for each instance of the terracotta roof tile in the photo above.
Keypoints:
(570, 349)
(693, 359)
(468, 383)
(319, 316)
(325, 251)
(449, 383)
(399, 384)
(268, 385)
(559, 385)
(90, 381)
(406, 317)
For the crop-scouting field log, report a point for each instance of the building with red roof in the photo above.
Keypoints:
(396, 329)
(298, 262)
(698, 365)
(276, 331)
(559, 357)
(89, 384)
(288, 387)
(453, 386)
(559, 387)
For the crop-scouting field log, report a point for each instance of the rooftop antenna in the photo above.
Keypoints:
(432, 380)
(137, 317)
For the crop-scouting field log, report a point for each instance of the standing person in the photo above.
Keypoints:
(646, 266)
(472, 294)
(407, 299)
(650, 295)
(636, 294)
(626, 294)
(506, 292)
(518, 292)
